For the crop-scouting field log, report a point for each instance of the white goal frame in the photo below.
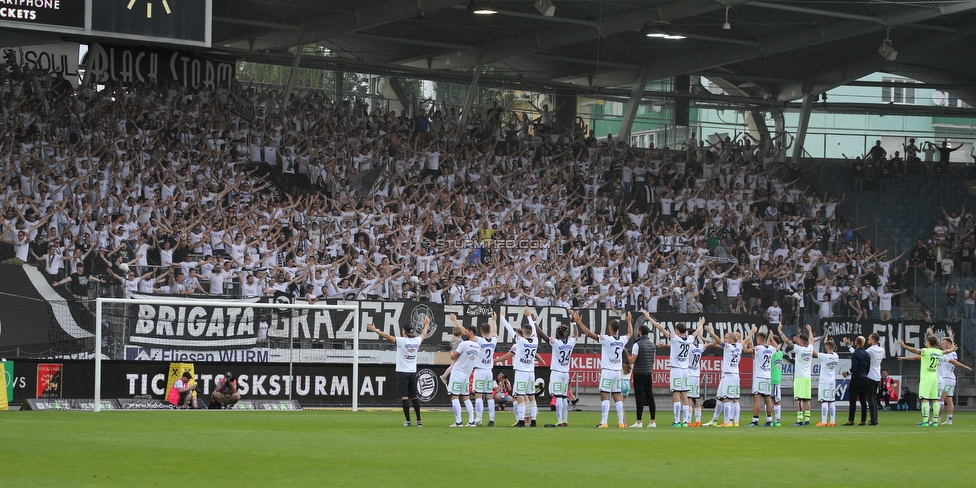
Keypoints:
(223, 303)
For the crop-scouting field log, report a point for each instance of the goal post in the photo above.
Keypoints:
(239, 304)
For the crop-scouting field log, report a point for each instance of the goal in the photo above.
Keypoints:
(183, 317)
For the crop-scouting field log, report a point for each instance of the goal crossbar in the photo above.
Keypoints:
(220, 303)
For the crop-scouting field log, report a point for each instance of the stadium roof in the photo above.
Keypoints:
(774, 50)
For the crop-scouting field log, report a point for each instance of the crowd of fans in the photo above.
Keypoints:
(946, 261)
(147, 189)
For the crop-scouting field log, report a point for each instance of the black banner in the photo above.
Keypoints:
(121, 64)
(910, 331)
(87, 404)
(309, 384)
(214, 328)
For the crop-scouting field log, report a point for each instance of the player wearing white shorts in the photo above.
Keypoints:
(612, 364)
(465, 357)
(761, 375)
(523, 351)
(484, 380)
(681, 344)
(562, 353)
(947, 376)
(827, 385)
(694, 379)
(728, 386)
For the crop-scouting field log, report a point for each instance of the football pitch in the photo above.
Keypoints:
(335, 448)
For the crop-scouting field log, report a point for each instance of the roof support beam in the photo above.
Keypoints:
(468, 101)
(636, 94)
(839, 15)
(801, 130)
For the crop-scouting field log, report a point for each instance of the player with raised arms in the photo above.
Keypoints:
(694, 376)
(947, 376)
(802, 376)
(612, 364)
(827, 385)
(728, 385)
(523, 350)
(928, 378)
(681, 345)
(762, 392)
(406, 365)
(465, 357)
(483, 378)
(562, 353)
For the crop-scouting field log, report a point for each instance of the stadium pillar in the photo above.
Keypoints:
(801, 130)
(469, 100)
(630, 113)
(286, 97)
(340, 84)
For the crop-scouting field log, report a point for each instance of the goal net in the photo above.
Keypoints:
(278, 349)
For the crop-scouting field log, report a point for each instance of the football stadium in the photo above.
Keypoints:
(343, 242)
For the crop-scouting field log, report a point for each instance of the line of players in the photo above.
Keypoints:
(475, 354)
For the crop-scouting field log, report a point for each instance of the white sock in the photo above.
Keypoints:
(491, 409)
(833, 413)
(604, 411)
(565, 409)
(736, 409)
(515, 410)
(559, 409)
(470, 408)
(535, 411)
(824, 409)
(677, 412)
(777, 409)
(727, 410)
(686, 414)
(620, 412)
(456, 405)
(479, 408)
(719, 408)
(698, 414)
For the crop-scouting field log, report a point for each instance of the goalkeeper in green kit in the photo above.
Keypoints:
(928, 382)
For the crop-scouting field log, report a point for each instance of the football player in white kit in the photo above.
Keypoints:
(728, 386)
(612, 367)
(694, 375)
(947, 376)
(523, 351)
(483, 378)
(465, 357)
(761, 375)
(562, 353)
(827, 385)
(681, 344)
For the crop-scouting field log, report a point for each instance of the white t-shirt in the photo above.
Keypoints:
(804, 358)
(562, 353)
(406, 359)
(487, 356)
(681, 351)
(775, 314)
(731, 354)
(613, 348)
(762, 363)
(468, 357)
(828, 369)
(524, 350)
(947, 370)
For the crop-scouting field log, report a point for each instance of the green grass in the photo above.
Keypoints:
(320, 448)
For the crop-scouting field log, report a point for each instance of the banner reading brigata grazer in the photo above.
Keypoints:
(233, 327)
